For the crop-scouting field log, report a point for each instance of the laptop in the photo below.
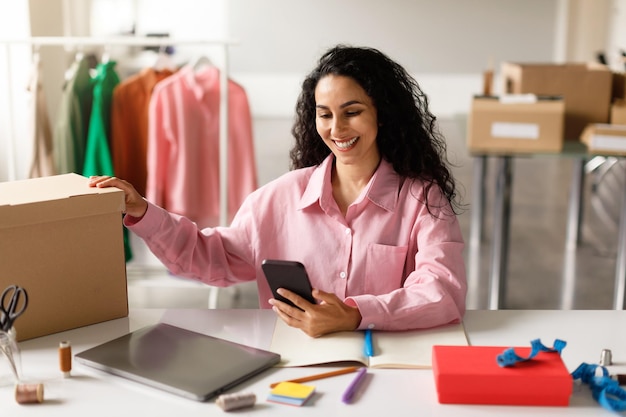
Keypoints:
(179, 361)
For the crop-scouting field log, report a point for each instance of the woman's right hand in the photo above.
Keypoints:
(136, 206)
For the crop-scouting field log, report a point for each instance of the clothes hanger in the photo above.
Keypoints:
(36, 65)
(163, 61)
(80, 54)
(36, 55)
(106, 54)
(200, 62)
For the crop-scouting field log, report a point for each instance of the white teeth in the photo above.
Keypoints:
(346, 144)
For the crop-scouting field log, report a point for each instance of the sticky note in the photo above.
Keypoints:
(291, 393)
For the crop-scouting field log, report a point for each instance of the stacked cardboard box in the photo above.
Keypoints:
(619, 86)
(585, 87)
(605, 139)
(516, 127)
(610, 139)
(618, 112)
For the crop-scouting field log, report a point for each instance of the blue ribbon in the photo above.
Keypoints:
(510, 358)
(605, 390)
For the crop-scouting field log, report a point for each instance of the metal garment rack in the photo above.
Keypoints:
(132, 41)
(136, 41)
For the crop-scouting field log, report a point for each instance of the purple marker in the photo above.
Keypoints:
(354, 386)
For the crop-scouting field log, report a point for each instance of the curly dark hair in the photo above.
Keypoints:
(408, 136)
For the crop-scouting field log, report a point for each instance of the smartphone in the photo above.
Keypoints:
(290, 275)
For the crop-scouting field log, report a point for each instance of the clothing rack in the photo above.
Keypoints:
(77, 41)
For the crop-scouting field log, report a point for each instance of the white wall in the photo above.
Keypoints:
(587, 30)
(617, 36)
(445, 44)
(426, 36)
(14, 154)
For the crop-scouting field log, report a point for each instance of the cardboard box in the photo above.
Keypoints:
(496, 127)
(586, 89)
(619, 86)
(605, 139)
(62, 241)
(618, 112)
(471, 375)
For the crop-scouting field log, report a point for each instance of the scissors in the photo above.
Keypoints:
(12, 309)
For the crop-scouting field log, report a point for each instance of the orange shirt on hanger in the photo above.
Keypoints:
(129, 125)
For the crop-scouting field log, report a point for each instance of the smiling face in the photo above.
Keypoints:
(346, 119)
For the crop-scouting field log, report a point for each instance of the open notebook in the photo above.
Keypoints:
(408, 349)
(179, 361)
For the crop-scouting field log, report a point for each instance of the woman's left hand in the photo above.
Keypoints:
(330, 314)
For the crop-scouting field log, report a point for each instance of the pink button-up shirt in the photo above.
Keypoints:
(401, 266)
(183, 145)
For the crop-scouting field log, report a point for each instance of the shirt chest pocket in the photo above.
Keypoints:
(384, 268)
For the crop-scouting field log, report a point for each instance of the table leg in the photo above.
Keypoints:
(572, 236)
(575, 208)
(477, 215)
(500, 243)
(620, 269)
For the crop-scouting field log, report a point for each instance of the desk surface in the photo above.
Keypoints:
(89, 392)
(571, 148)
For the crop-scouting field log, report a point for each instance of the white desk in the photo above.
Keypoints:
(388, 392)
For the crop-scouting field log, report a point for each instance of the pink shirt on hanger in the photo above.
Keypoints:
(402, 266)
(183, 146)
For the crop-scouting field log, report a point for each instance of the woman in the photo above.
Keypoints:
(369, 209)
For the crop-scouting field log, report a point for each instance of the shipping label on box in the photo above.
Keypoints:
(471, 375)
(605, 139)
(586, 89)
(62, 241)
(504, 126)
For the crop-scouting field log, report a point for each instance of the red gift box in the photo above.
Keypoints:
(471, 375)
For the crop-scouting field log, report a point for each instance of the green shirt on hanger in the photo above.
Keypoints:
(70, 134)
(98, 159)
(98, 154)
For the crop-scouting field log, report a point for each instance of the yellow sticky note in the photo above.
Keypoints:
(293, 390)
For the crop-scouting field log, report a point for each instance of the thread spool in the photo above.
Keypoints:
(29, 393)
(487, 82)
(65, 358)
(228, 402)
(620, 378)
(488, 79)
